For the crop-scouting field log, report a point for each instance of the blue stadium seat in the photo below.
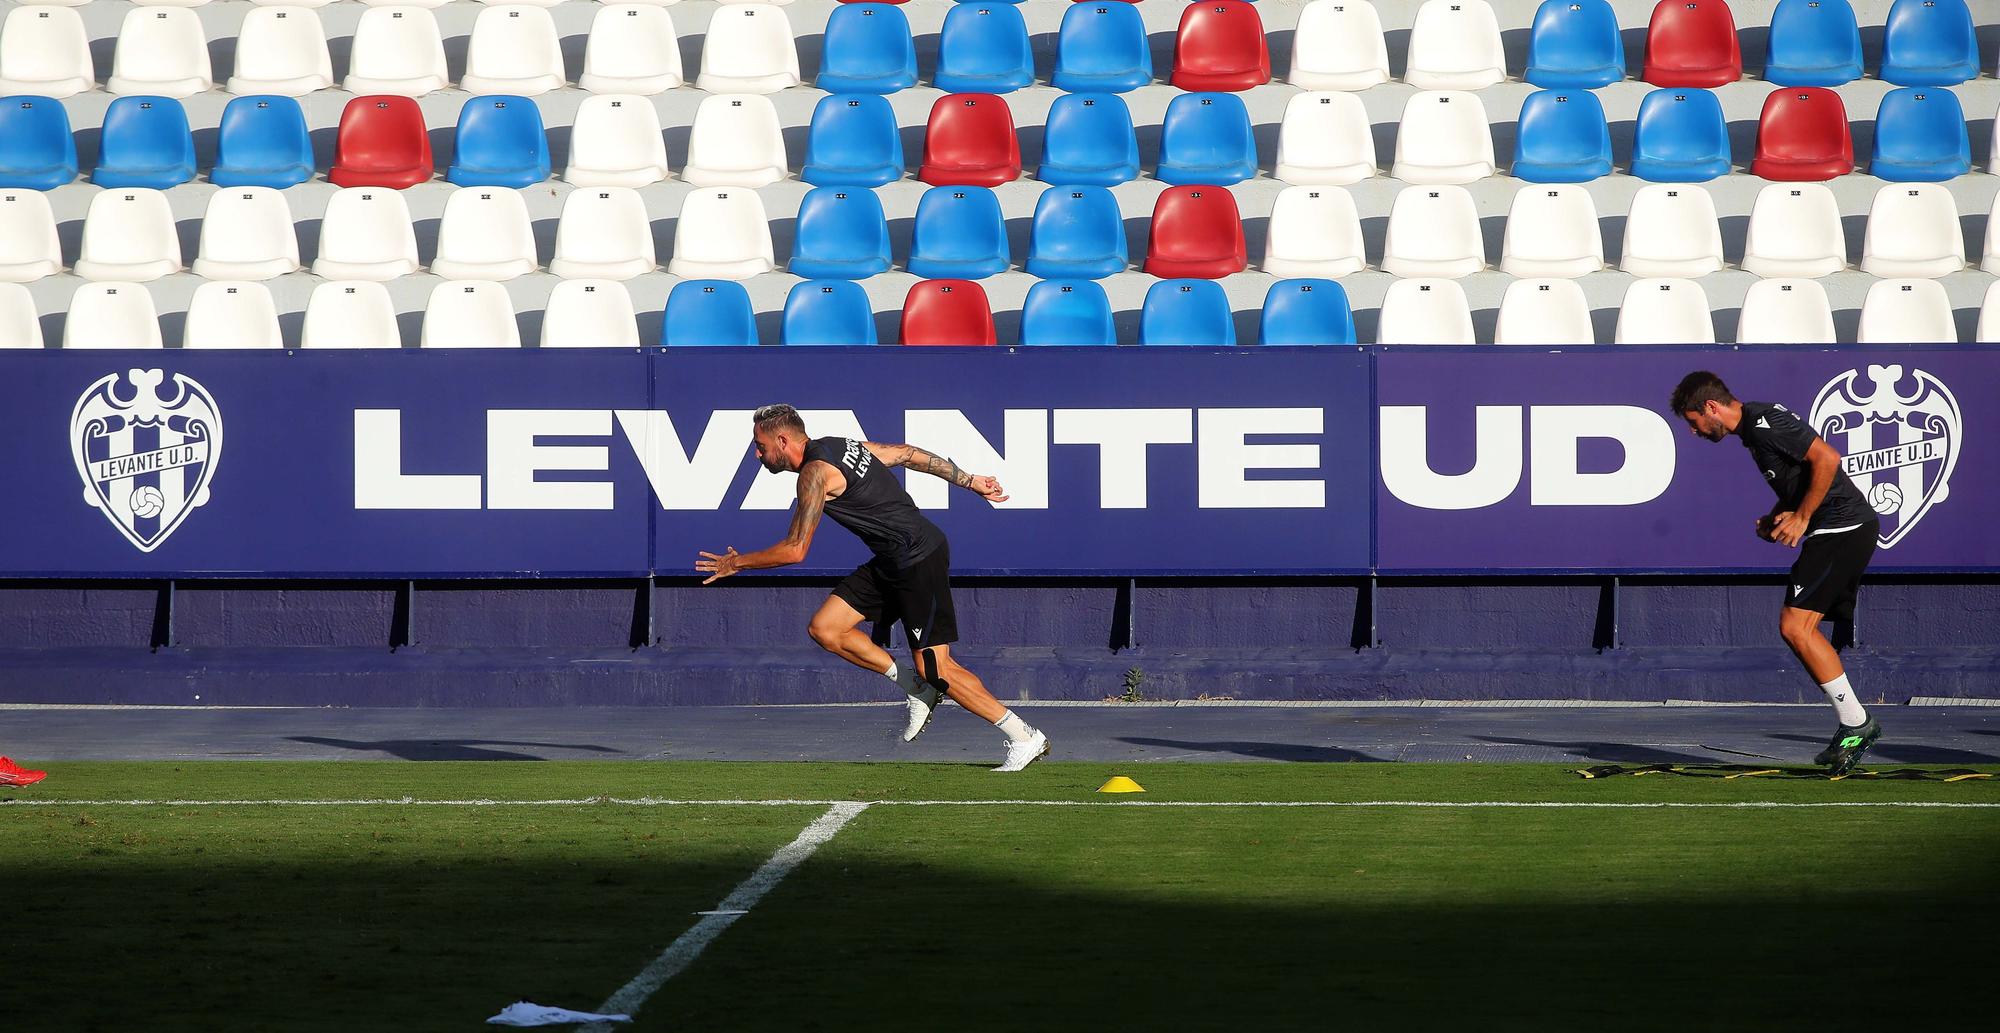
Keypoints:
(984, 49)
(960, 234)
(263, 142)
(828, 312)
(1077, 233)
(1562, 138)
(841, 234)
(1929, 43)
(1681, 137)
(1920, 136)
(1067, 312)
(37, 151)
(500, 144)
(146, 143)
(1089, 140)
(1102, 48)
(1574, 45)
(867, 49)
(853, 141)
(709, 313)
(1206, 138)
(1187, 312)
(1813, 43)
(1307, 311)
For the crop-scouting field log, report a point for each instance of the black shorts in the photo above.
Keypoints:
(1827, 576)
(918, 595)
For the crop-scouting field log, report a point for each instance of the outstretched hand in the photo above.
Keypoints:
(717, 567)
(988, 488)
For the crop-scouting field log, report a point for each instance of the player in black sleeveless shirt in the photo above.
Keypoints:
(909, 580)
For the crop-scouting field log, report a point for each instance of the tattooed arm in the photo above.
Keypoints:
(818, 482)
(914, 458)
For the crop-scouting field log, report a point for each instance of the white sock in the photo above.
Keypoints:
(1841, 695)
(892, 674)
(1015, 729)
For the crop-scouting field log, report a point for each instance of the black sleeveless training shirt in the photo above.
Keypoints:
(875, 506)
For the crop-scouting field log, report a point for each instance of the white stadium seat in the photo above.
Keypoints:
(748, 49)
(485, 234)
(167, 3)
(1785, 310)
(722, 234)
(129, 234)
(1325, 139)
(366, 235)
(292, 3)
(1455, 45)
(1552, 231)
(589, 314)
(282, 50)
(247, 234)
(1339, 46)
(1665, 310)
(62, 3)
(396, 50)
(20, 324)
(514, 50)
(29, 247)
(44, 51)
(736, 141)
(1913, 231)
(1434, 231)
(1990, 261)
(632, 49)
(1544, 311)
(161, 51)
(350, 314)
(616, 142)
(470, 314)
(604, 234)
(1795, 231)
(114, 314)
(1443, 138)
(1671, 230)
(1424, 311)
(1907, 310)
(1989, 316)
(232, 314)
(1314, 231)
(406, 3)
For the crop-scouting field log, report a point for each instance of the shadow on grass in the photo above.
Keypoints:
(1615, 752)
(449, 749)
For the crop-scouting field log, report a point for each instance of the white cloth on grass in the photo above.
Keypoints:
(527, 1013)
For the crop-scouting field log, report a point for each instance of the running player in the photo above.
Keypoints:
(908, 580)
(1819, 512)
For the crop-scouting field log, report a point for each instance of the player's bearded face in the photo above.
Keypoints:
(1705, 425)
(769, 452)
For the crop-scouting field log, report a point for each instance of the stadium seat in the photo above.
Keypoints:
(1314, 231)
(396, 50)
(960, 234)
(283, 51)
(1795, 231)
(1434, 232)
(709, 314)
(1913, 231)
(1988, 331)
(37, 151)
(1672, 231)
(29, 246)
(834, 312)
(1802, 136)
(1101, 48)
(515, 51)
(722, 234)
(633, 50)
(1929, 43)
(1196, 232)
(1544, 312)
(350, 314)
(1067, 312)
(736, 141)
(604, 234)
(1692, 43)
(1077, 234)
(748, 49)
(841, 235)
(129, 235)
(1339, 46)
(1562, 138)
(263, 141)
(1790, 310)
(500, 143)
(382, 143)
(1325, 139)
(485, 235)
(1443, 138)
(984, 49)
(1455, 45)
(1906, 311)
(1990, 260)
(946, 312)
(867, 49)
(589, 314)
(1306, 311)
(853, 141)
(246, 234)
(969, 141)
(44, 52)
(1187, 313)
(1680, 137)
(366, 234)
(1552, 232)
(616, 142)
(145, 143)
(1424, 311)
(1664, 310)
(112, 315)
(469, 314)
(20, 324)
(161, 52)
(1920, 136)
(1220, 48)
(1574, 45)
(1089, 141)
(1813, 43)
(232, 314)
(1206, 138)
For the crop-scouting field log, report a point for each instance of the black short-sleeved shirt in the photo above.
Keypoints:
(1778, 440)
(875, 506)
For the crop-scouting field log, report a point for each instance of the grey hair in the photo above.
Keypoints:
(773, 418)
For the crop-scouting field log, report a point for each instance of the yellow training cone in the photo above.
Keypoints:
(1121, 784)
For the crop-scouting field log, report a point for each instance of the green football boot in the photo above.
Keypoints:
(1849, 743)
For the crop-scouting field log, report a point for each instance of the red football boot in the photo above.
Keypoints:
(12, 774)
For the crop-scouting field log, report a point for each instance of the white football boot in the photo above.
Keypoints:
(922, 702)
(1022, 754)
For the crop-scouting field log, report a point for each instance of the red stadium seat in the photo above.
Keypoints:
(1802, 135)
(382, 143)
(1692, 43)
(947, 312)
(1197, 232)
(970, 142)
(1221, 47)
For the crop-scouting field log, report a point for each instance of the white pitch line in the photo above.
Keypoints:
(651, 801)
